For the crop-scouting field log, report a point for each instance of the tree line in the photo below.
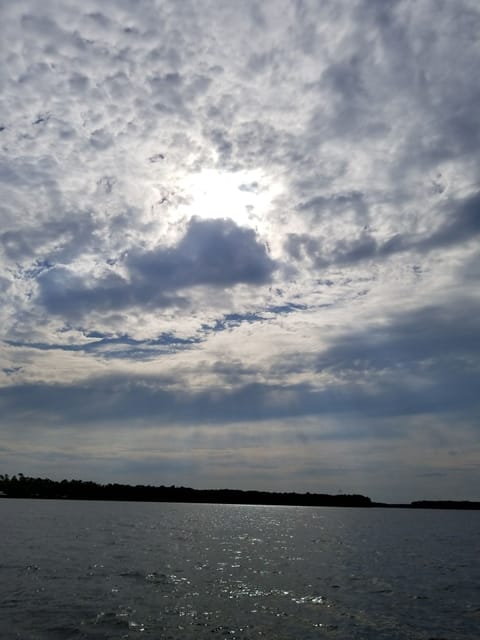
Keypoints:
(26, 487)
(20, 486)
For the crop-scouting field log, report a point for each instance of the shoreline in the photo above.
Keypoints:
(24, 487)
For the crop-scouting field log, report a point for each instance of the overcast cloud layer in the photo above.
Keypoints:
(240, 244)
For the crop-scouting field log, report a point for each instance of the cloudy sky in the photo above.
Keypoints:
(240, 244)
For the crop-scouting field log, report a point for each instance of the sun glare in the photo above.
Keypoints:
(242, 196)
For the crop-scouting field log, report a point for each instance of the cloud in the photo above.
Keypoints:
(416, 363)
(460, 225)
(334, 278)
(109, 346)
(119, 399)
(214, 253)
(431, 335)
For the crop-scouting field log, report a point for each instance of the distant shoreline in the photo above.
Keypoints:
(43, 488)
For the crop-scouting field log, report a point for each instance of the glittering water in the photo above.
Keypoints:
(100, 570)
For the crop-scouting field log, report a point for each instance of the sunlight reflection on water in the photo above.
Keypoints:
(124, 570)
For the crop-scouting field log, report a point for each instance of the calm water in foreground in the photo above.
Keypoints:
(98, 570)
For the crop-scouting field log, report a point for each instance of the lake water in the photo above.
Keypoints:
(101, 570)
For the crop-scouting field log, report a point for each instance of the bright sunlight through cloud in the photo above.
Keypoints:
(242, 196)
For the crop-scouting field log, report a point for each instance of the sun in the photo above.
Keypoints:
(244, 197)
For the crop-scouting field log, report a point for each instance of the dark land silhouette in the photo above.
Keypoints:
(43, 488)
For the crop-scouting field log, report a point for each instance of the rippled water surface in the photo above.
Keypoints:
(101, 570)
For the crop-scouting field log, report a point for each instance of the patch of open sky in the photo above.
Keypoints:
(232, 320)
(105, 342)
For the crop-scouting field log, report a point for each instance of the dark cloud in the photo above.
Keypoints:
(461, 224)
(420, 362)
(470, 270)
(214, 253)
(62, 292)
(120, 399)
(427, 337)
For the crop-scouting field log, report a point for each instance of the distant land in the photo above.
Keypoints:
(43, 488)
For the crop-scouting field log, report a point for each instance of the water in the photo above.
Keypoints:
(103, 570)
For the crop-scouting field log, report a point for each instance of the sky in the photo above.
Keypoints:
(239, 244)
